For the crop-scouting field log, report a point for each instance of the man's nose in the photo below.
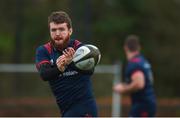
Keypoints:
(58, 32)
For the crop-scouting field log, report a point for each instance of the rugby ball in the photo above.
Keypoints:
(86, 57)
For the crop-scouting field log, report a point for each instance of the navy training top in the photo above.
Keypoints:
(70, 86)
(145, 95)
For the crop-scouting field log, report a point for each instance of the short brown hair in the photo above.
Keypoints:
(132, 43)
(60, 17)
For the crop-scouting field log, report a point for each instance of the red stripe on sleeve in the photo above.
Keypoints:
(42, 62)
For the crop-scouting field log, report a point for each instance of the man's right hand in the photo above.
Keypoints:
(61, 63)
(119, 88)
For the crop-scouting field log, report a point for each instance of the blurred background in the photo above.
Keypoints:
(104, 23)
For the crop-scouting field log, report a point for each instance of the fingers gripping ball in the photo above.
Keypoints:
(86, 57)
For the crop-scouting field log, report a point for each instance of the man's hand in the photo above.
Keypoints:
(120, 88)
(60, 62)
(65, 59)
(68, 53)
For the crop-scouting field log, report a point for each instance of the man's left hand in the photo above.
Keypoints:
(68, 53)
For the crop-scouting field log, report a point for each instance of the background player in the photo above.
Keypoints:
(71, 87)
(138, 80)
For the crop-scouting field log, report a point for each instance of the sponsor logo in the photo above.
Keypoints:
(68, 73)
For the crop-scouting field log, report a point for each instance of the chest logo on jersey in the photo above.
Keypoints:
(68, 73)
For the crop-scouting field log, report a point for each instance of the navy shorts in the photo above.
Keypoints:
(143, 110)
(86, 108)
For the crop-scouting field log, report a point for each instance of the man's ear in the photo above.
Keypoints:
(70, 31)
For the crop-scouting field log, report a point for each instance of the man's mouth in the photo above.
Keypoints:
(58, 39)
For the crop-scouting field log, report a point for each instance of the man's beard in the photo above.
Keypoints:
(61, 46)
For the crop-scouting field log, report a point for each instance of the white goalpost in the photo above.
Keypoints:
(106, 69)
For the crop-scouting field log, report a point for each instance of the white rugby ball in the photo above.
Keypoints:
(87, 57)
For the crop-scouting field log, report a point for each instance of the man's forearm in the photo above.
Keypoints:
(129, 88)
(48, 73)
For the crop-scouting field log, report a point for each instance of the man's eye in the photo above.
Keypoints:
(53, 30)
(61, 29)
